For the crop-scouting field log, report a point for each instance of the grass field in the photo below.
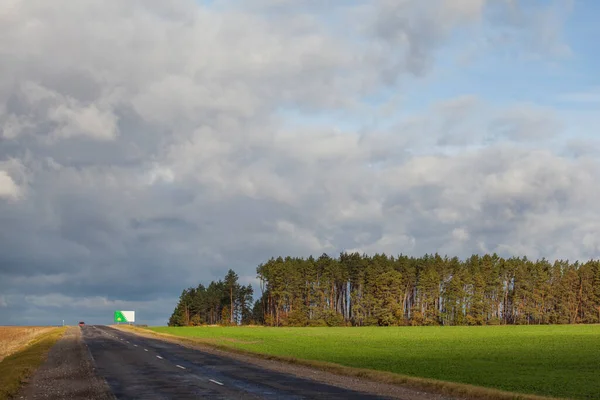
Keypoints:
(557, 361)
(23, 349)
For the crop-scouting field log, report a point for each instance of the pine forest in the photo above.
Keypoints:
(361, 290)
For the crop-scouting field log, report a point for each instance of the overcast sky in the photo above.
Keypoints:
(148, 145)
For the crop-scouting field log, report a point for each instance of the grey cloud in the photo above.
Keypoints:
(54, 307)
(458, 120)
(580, 148)
(536, 29)
(528, 204)
(525, 123)
(470, 121)
(409, 32)
(149, 154)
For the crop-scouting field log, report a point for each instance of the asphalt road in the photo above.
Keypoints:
(141, 368)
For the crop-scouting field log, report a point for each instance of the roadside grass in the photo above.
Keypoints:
(14, 337)
(17, 367)
(494, 362)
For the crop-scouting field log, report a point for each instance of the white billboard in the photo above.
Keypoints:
(124, 316)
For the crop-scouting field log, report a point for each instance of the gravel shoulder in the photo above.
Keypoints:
(67, 373)
(351, 383)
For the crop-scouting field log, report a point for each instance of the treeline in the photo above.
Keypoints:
(430, 290)
(383, 290)
(224, 302)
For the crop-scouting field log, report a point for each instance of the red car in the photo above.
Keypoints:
(81, 323)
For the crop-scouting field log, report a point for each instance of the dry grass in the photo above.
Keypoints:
(13, 338)
(459, 390)
(17, 367)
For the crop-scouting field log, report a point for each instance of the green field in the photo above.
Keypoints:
(557, 361)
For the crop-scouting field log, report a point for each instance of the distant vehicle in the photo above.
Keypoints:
(81, 323)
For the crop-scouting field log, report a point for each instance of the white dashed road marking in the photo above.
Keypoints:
(159, 357)
(218, 383)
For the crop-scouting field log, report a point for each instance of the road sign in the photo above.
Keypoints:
(124, 316)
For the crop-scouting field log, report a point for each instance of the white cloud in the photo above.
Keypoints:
(468, 9)
(460, 234)
(75, 120)
(155, 146)
(8, 187)
(37, 109)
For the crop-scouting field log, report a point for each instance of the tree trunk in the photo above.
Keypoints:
(231, 308)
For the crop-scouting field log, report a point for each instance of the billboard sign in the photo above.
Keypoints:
(124, 316)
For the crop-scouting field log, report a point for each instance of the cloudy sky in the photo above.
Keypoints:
(147, 146)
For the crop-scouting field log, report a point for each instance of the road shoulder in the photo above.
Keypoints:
(24, 359)
(67, 373)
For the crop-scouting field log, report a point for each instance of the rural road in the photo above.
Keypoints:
(136, 367)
